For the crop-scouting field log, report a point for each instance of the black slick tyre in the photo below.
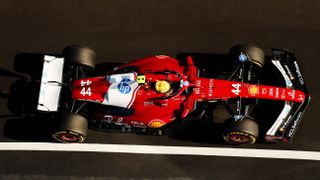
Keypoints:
(252, 52)
(71, 128)
(244, 131)
(79, 55)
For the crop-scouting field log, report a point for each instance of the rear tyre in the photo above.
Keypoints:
(244, 131)
(71, 128)
(250, 53)
(79, 55)
(79, 63)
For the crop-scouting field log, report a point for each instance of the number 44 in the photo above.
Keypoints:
(85, 91)
(237, 90)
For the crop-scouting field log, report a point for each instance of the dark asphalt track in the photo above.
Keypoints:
(124, 30)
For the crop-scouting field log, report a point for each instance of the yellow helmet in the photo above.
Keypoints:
(162, 86)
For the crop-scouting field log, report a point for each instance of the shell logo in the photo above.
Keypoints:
(253, 90)
(157, 123)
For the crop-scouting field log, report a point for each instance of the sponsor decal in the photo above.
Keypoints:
(295, 123)
(197, 89)
(270, 91)
(237, 90)
(298, 73)
(90, 100)
(85, 83)
(137, 124)
(210, 90)
(156, 123)
(292, 94)
(285, 124)
(277, 93)
(253, 90)
(264, 91)
(148, 103)
(124, 87)
(283, 94)
(289, 72)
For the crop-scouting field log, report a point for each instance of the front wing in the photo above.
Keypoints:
(288, 120)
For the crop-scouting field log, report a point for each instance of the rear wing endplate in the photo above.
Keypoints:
(51, 82)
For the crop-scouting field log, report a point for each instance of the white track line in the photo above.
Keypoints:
(166, 150)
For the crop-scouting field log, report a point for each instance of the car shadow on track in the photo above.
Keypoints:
(30, 128)
(21, 99)
(198, 131)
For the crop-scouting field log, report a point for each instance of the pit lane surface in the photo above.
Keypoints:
(124, 30)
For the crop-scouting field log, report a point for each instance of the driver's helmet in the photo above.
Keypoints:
(162, 86)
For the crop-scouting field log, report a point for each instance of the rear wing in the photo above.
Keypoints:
(51, 82)
(288, 120)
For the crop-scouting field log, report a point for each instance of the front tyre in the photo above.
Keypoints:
(71, 128)
(244, 131)
(251, 53)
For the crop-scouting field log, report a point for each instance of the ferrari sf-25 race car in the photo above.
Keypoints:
(152, 93)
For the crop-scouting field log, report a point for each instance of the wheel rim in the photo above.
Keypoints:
(239, 138)
(67, 137)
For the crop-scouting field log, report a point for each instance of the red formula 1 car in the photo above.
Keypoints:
(154, 92)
